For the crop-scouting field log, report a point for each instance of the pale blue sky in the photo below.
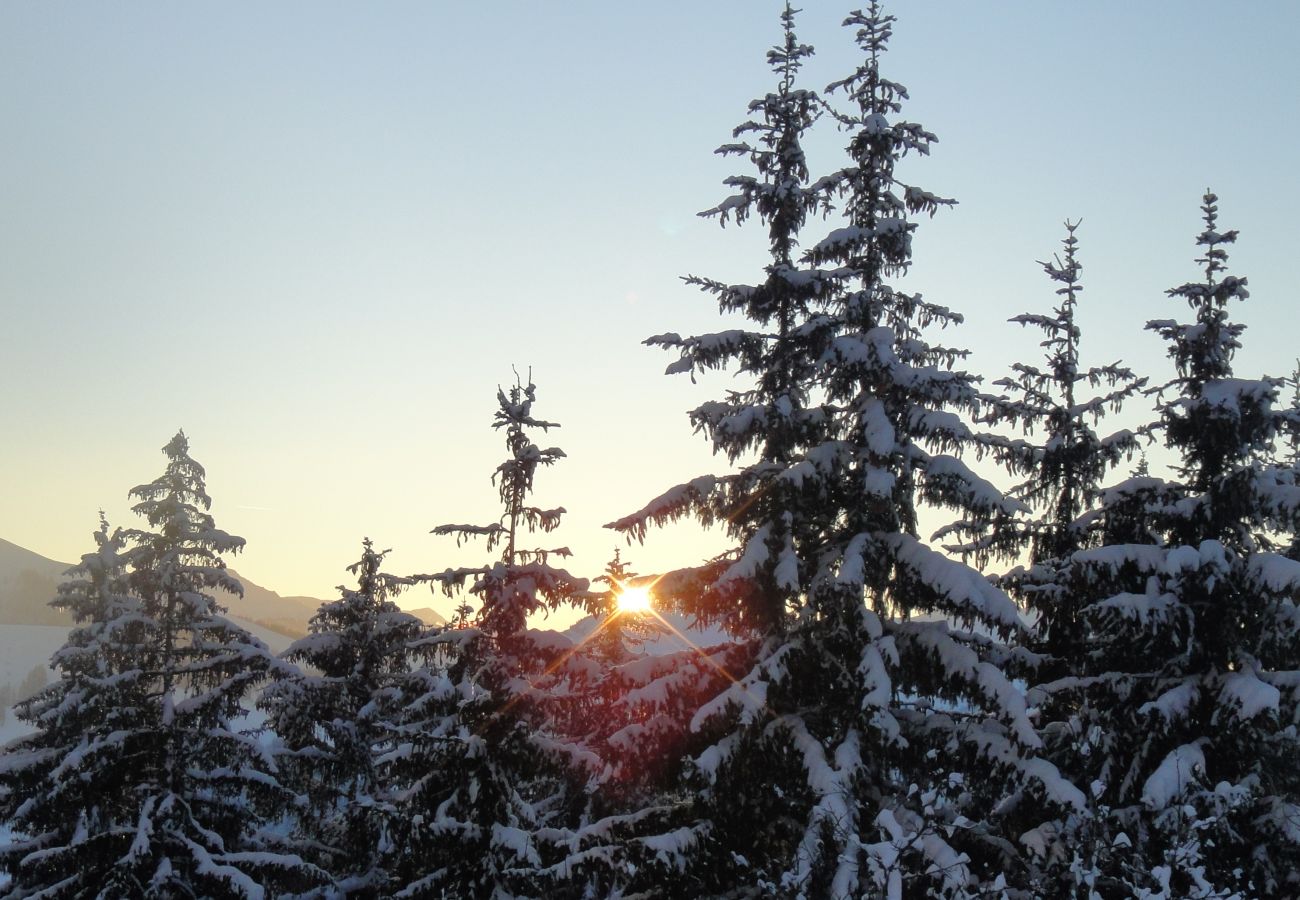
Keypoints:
(317, 235)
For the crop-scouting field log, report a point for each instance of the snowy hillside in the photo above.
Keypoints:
(664, 634)
(23, 648)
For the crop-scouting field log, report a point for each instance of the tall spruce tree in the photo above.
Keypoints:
(854, 754)
(139, 781)
(770, 508)
(1062, 472)
(487, 783)
(778, 417)
(1186, 709)
(1062, 462)
(335, 721)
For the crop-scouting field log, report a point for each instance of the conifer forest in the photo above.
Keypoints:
(1084, 684)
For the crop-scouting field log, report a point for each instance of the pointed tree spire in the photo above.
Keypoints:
(160, 793)
(79, 722)
(485, 776)
(770, 506)
(1063, 470)
(775, 419)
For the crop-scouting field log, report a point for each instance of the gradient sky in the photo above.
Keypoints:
(318, 235)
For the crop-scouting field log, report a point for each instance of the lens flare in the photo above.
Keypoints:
(635, 600)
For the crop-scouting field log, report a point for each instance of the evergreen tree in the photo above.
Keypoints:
(1293, 458)
(612, 633)
(1062, 474)
(777, 418)
(334, 721)
(771, 507)
(138, 781)
(1186, 712)
(853, 753)
(66, 835)
(487, 783)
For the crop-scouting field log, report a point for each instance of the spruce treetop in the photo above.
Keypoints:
(514, 480)
(1063, 470)
(1231, 485)
(338, 721)
(1179, 713)
(484, 774)
(185, 549)
(1204, 351)
(763, 507)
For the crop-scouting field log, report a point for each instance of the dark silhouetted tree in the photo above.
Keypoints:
(1187, 702)
(870, 734)
(487, 784)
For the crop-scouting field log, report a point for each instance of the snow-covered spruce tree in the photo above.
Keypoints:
(1061, 472)
(334, 722)
(1293, 457)
(877, 731)
(721, 836)
(1188, 704)
(66, 826)
(139, 782)
(777, 418)
(487, 786)
(614, 707)
(617, 628)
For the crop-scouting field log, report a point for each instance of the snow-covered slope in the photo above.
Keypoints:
(23, 648)
(660, 634)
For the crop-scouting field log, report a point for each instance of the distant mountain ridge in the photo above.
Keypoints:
(27, 584)
(28, 581)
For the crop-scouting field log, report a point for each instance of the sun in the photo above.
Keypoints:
(633, 599)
